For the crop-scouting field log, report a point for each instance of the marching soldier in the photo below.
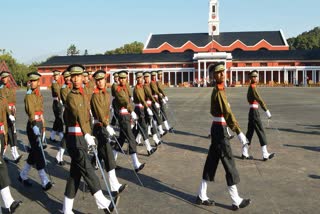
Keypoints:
(125, 111)
(57, 107)
(64, 91)
(35, 127)
(164, 100)
(155, 106)
(113, 92)
(220, 147)
(158, 97)
(100, 104)
(9, 202)
(9, 93)
(141, 108)
(78, 140)
(254, 123)
(88, 85)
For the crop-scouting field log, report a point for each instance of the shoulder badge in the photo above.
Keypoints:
(64, 86)
(29, 91)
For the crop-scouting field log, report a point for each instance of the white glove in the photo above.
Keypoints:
(166, 98)
(157, 105)
(134, 115)
(268, 114)
(243, 139)
(36, 130)
(150, 113)
(61, 102)
(164, 101)
(90, 140)
(131, 99)
(11, 117)
(110, 130)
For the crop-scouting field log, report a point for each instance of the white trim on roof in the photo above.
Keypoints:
(284, 38)
(147, 42)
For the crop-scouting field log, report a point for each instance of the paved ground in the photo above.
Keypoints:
(290, 183)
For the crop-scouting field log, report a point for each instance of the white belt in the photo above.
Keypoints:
(219, 120)
(139, 105)
(11, 107)
(37, 117)
(74, 129)
(1, 128)
(96, 121)
(254, 106)
(55, 98)
(149, 102)
(156, 96)
(124, 111)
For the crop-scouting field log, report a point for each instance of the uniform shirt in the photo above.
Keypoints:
(148, 92)
(154, 89)
(64, 91)
(76, 111)
(9, 93)
(139, 95)
(220, 107)
(113, 89)
(88, 89)
(33, 102)
(160, 88)
(4, 109)
(129, 89)
(55, 89)
(253, 95)
(122, 99)
(100, 105)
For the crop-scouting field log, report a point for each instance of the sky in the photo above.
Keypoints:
(34, 30)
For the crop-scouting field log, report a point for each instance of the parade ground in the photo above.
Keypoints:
(289, 183)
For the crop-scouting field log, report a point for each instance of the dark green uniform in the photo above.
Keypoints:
(254, 123)
(122, 103)
(57, 107)
(100, 105)
(220, 148)
(4, 177)
(78, 124)
(34, 109)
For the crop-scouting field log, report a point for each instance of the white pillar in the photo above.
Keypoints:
(265, 77)
(175, 78)
(199, 73)
(296, 75)
(181, 76)
(279, 76)
(205, 74)
(243, 77)
(189, 77)
(230, 79)
(272, 75)
(313, 76)
(169, 78)
(236, 77)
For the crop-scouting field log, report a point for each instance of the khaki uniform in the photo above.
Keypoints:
(34, 109)
(162, 105)
(115, 111)
(124, 107)
(64, 91)
(57, 107)
(140, 109)
(100, 105)
(254, 123)
(9, 93)
(220, 148)
(78, 124)
(4, 177)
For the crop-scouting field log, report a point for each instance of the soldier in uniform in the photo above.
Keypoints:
(79, 139)
(64, 91)
(100, 105)
(141, 108)
(34, 109)
(9, 202)
(155, 106)
(158, 97)
(254, 123)
(8, 92)
(220, 148)
(126, 113)
(113, 89)
(57, 108)
(164, 100)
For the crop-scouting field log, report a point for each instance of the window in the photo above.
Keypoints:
(248, 64)
(263, 64)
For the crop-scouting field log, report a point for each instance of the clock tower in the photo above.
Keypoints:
(213, 23)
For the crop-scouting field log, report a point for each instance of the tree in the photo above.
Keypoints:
(72, 50)
(306, 40)
(134, 47)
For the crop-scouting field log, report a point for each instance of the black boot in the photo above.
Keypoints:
(206, 202)
(244, 203)
(14, 206)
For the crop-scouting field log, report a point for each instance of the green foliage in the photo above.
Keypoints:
(132, 48)
(306, 41)
(72, 50)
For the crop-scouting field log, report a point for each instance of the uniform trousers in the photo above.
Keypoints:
(58, 122)
(255, 124)
(142, 128)
(12, 134)
(80, 167)
(126, 134)
(4, 177)
(220, 150)
(35, 155)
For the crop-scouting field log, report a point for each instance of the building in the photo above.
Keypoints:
(186, 57)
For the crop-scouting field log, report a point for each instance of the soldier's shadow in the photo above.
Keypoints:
(311, 148)
(188, 134)
(164, 188)
(188, 147)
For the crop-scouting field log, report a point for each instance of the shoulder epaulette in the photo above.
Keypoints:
(29, 91)
(64, 86)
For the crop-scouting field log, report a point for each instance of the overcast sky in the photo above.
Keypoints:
(36, 29)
